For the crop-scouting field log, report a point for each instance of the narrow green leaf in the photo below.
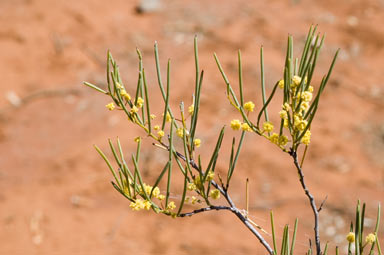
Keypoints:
(95, 87)
(273, 233)
(231, 170)
(184, 193)
(121, 192)
(240, 78)
(109, 58)
(294, 236)
(325, 252)
(217, 149)
(165, 168)
(170, 164)
(114, 152)
(166, 106)
(137, 171)
(196, 109)
(109, 165)
(147, 103)
(265, 109)
(138, 151)
(266, 104)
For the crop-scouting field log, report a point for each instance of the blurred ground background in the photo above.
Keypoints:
(55, 195)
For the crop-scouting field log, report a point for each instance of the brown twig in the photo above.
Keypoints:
(293, 153)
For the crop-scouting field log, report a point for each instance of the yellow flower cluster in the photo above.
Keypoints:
(160, 134)
(350, 237)
(139, 102)
(125, 95)
(296, 80)
(110, 106)
(306, 138)
(371, 238)
(197, 142)
(140, 204)
(191, 186)
(152, 116)
(267, 126)
(249, 106)
(281, 84)
(246, 127)
(155, 193)
(237, 125)
(197, 182)
(299, 123)
(168, 117)
(193, 200)
(171, 206)
(134, 109)
(215, 194)
(180, 132)
(210, 175)
(191, 108)
(278, 140)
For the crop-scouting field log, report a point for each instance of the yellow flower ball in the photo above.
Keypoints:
(197, 142)
(351, 237)
(110, 106)
(249, 106)
(246, 127)
(235, 124)
(191, 108)
(267, 126)
(371, 238)
(215, 194)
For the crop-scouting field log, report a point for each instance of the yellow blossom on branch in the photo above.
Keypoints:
(191, 108)
(171, 205)
(152, 116)
(283, 114)
(267, 126)
(246, 127)
(125, 95)
(191, 186)
(306, 96)
(249, 106)
(110, 106)
(168, 117)
(306, 138)
(281, 84)
(139, 102)
(134, 109)
(296, 80)
(210, 175)
(215, 194)
(235, 124)
(351, 237)
(160, 133)
(370, 239)
(274, 138)
(197, 142)
(194, 200)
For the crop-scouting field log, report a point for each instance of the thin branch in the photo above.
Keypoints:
(205, 209)
(231, 207)
(322, 203)
(311, 200)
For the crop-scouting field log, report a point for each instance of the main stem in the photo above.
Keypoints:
(311, 201)
(231, 208)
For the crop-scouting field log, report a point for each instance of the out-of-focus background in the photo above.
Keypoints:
(55, 192)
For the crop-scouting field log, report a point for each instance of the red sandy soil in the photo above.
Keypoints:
(55, 192)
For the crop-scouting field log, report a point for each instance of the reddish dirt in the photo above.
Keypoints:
(55, 194)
